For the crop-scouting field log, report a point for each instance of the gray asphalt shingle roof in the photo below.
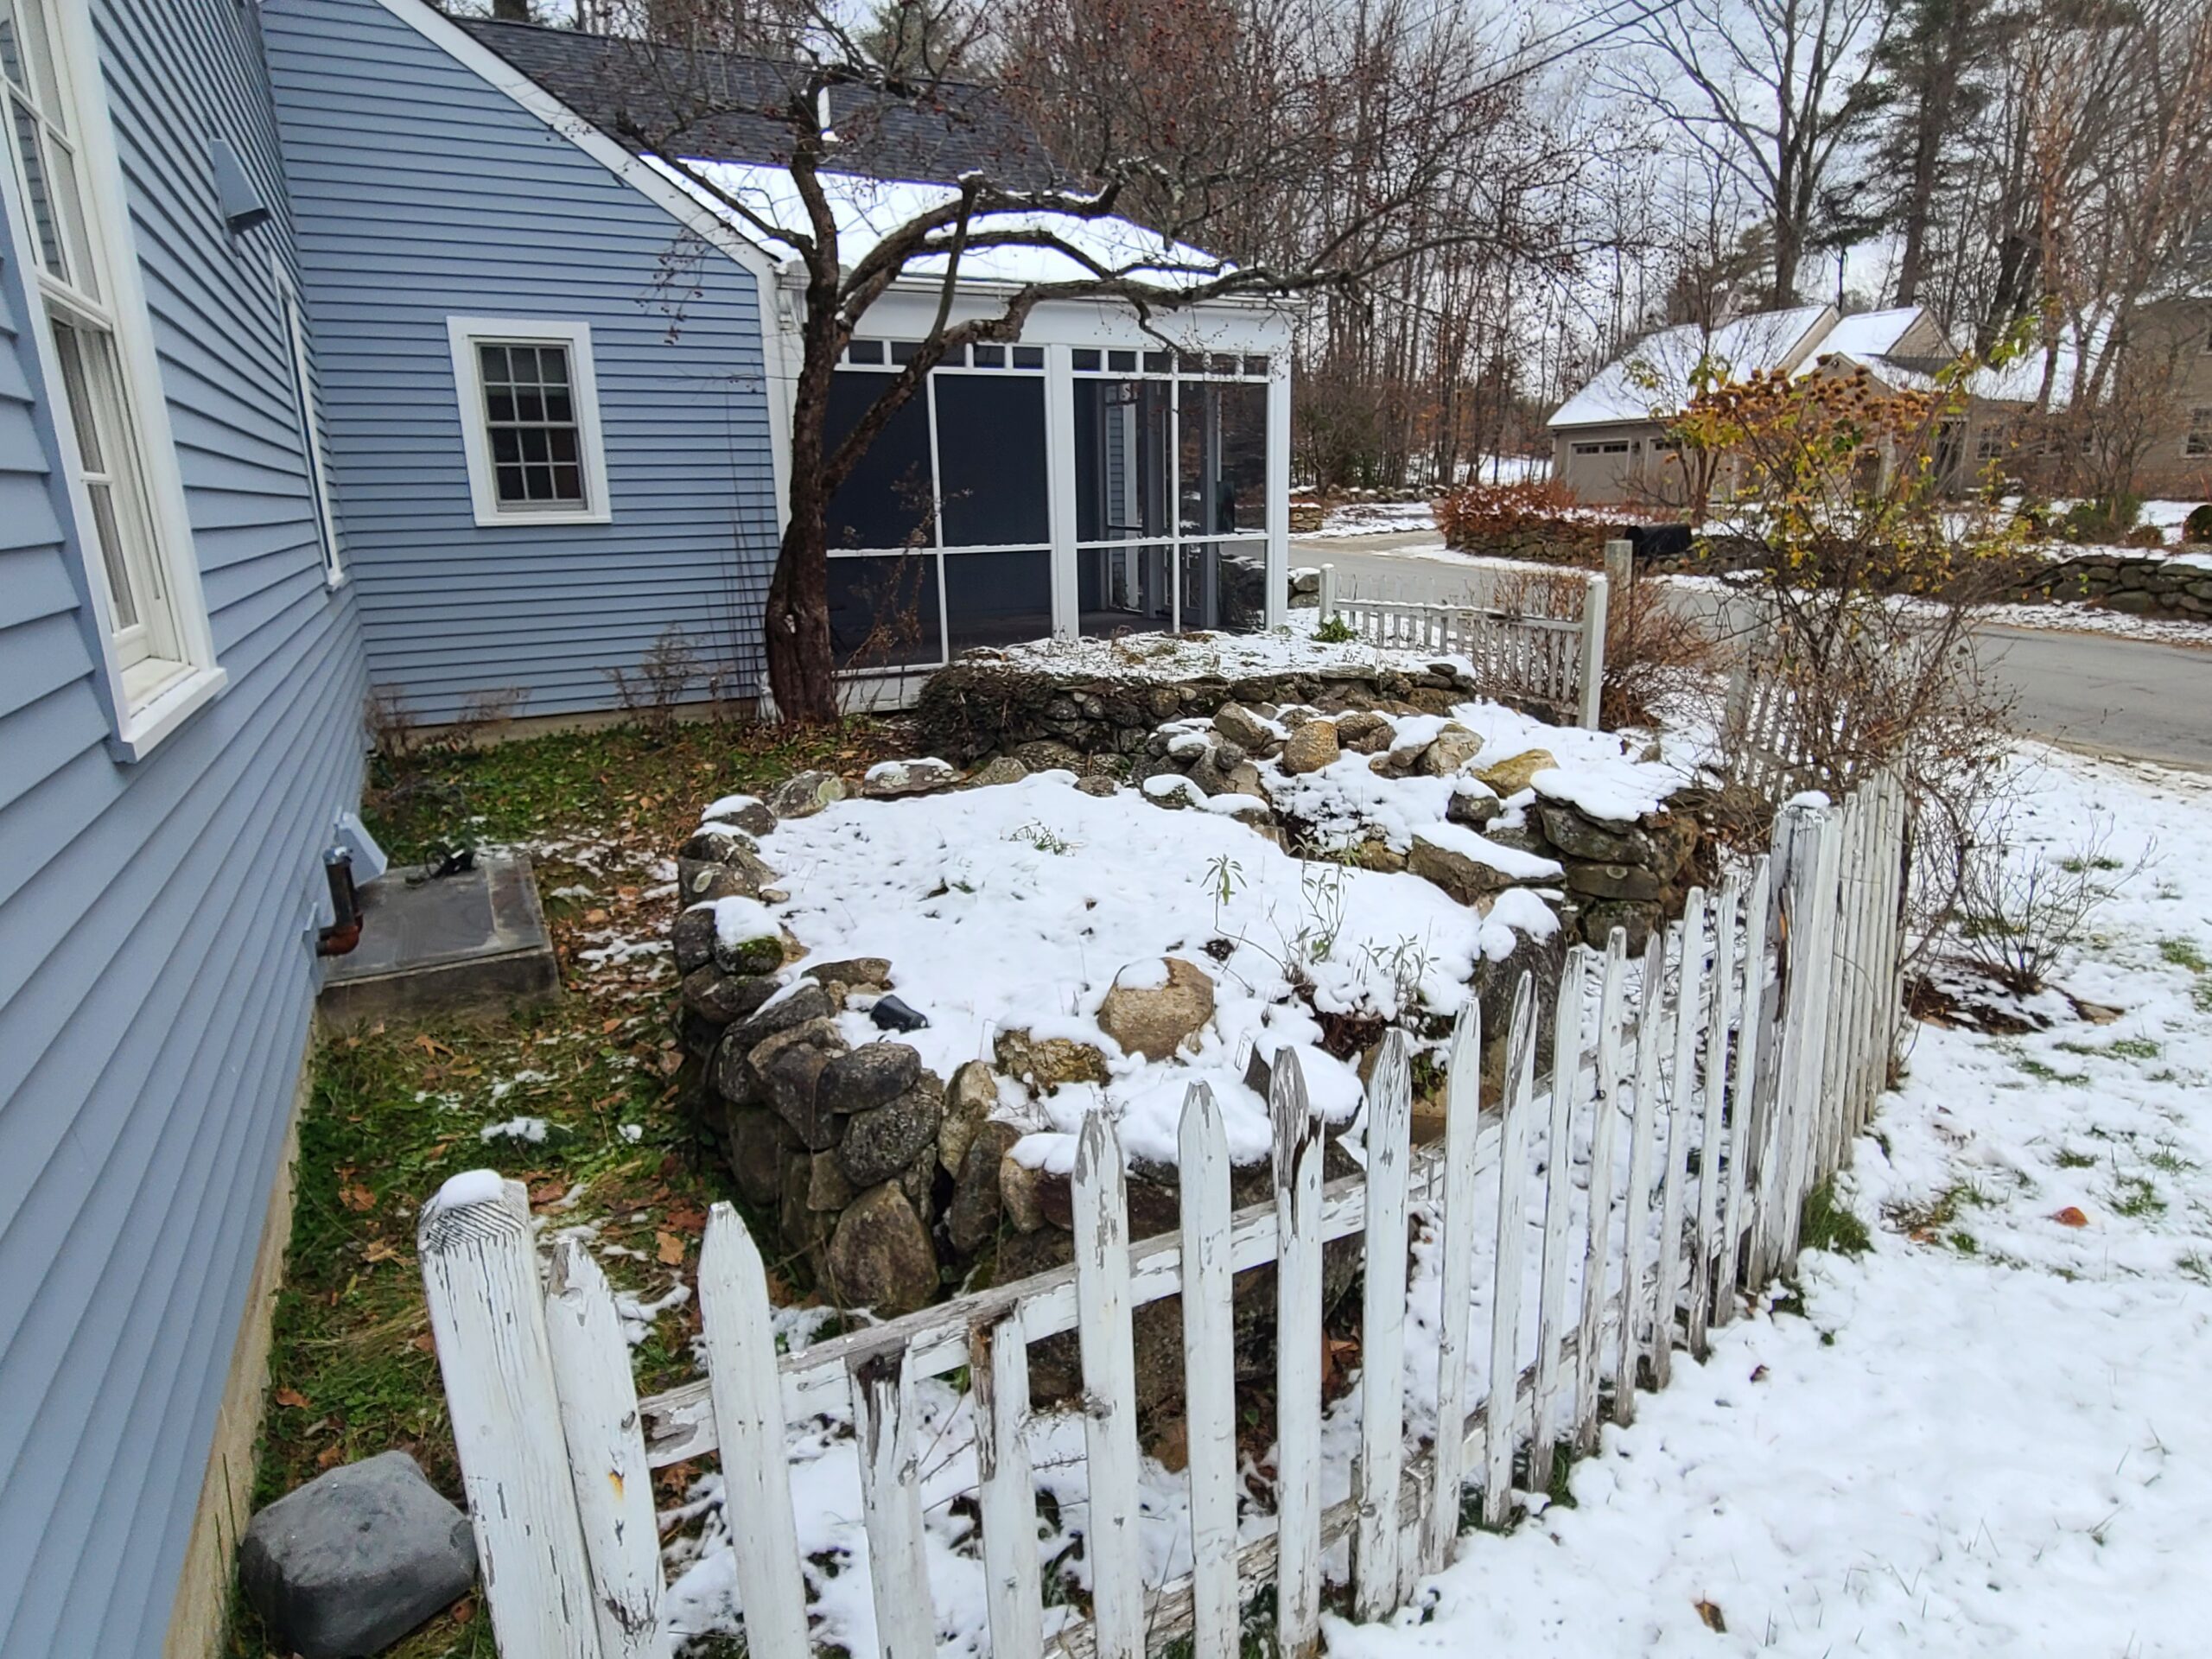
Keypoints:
(724, 106)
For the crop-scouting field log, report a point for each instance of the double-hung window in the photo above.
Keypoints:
(529, 421)
(101, 377)
(2196, 439)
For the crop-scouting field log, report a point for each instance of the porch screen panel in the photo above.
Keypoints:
(991, 452)
(884, 611)
(886, 501)
(998, 598)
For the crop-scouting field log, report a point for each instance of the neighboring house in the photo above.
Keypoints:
(337, 350)
(2155, 405)
(1610, 442)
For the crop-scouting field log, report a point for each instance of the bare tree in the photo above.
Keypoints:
(1350, 134)
(1775, 91)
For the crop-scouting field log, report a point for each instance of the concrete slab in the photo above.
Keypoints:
(472, 942)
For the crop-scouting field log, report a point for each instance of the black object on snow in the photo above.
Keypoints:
(891, 1015)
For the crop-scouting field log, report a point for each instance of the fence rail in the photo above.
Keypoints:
(1520, 651)
(1757, 1032)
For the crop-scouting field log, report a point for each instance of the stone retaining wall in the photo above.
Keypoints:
(973, 709)
(2119, 581)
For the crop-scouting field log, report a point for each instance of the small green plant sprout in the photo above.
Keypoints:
(1225, 878)
(1044, 838)
(1830, 1225)
(1405, 965)
(1334, 630)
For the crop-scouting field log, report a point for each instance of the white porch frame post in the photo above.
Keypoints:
(1059, 469)
(1278, 488)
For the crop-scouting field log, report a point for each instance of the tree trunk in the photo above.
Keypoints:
(801, 666)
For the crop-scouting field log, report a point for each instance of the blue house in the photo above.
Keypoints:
(347, 349)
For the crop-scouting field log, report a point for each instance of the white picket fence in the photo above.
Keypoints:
(1524, 652)
(1758, 1032)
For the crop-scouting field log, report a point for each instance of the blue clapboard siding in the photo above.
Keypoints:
(156, 975)
(423, 192)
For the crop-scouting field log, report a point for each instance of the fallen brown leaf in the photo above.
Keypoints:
(291, 1397)
(328, 1456)
(425, 1343)
(380, 1251)
(669, 1247)
(357, 1198)
(2071, 1215)
(1710, 1612)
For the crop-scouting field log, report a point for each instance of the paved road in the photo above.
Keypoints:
(2099, 692)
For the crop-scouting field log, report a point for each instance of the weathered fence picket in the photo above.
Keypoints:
(1758, 1032)
(1209, 1377)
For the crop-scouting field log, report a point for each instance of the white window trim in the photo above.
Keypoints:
(463, 335)
(142, 721)
(291, 317)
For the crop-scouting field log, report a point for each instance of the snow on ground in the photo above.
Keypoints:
(1372, 519)
(1290, 649)
(1986, 1435)
(1015, 906)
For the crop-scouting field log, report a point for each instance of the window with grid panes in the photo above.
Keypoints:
(530, 415)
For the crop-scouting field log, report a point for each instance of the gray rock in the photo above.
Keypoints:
(879, 1144)
(1453, 747)
(1045, 755)
(1002, 769)
(751, 815)
(692, 939)
(892, 779)
(890, 1014)
(1096, 784)
(1240, 725)
(881, 1256)
(355, 1559)
(1473, 804)
(805, 794)
(868, 1077)
(1363, 732)
(700, 881)
(973, 1216)
(718, 843)
(826, 1186)
(724, 998)
(789, 1066)
(1468, 880)
(852, 970)
(1045, 1062)
(757, 1145)
(809, 1002)
(970, 1095)
(1631, 881)
(1577, 837)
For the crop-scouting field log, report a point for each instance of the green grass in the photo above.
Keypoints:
(1934, 1221)
(2123, 1048)
(1829, 1224)
(2136, 1197)
(2184, 953)
(2067, 1158)
(395, 1109)
(2044, 1073)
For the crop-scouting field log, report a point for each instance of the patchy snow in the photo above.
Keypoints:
(1291, 649)
(470, 1186)
(740, 920)
(1984, 1435)
(1655, 375)
(1472, 844)
(515, 1129)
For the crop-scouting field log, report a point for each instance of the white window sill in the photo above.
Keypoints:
(532, 520)
(154, 719)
